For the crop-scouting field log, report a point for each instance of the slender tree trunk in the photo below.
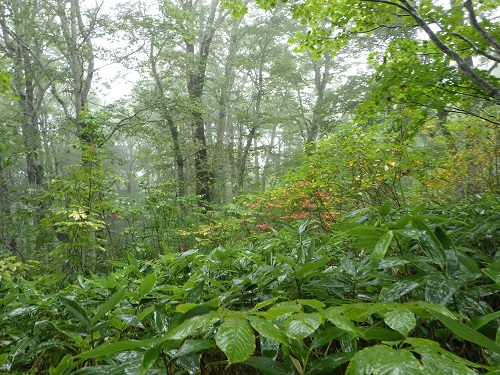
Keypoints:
(227, 83)
(196, 76)
(27, 85)
(242, 163)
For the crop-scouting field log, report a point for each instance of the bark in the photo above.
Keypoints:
(27, 85)
(321, 78)
(174, 131)
(242, 163)
(79, 55)
(196, 76)
(227, 83)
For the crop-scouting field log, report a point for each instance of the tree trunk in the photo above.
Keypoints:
(196, 76)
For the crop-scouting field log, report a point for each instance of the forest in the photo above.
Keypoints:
(277, 187)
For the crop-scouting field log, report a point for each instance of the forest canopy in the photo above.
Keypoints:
(272, 187)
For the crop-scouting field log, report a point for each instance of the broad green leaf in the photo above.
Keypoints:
(439, 291)
(130, 319)
(76, 310)
(189, 327)
(265, 303)
(436, 360)
(311, 267)
(106, 307)
(301, 325)
(134, 266)
(20, 311)
(67, 362)
(268, 329)
(381, 247)
(193, 346)
(493, 274)
(325, 365)
(400, 319)
(124, 368)
(314, 303)
(3, 358)
(189, 362)
(466, 262)
(147, 284)
(268, 366)
(381, 334)
(429, 242)
(235, 337)
(281, 309)
(194, 293)
(479, 321)
(383, 360)
(110, 348)
(398, 290)
(334, 315)
(150, 357)
(385, 209)
(286, 260)
(467, 333)
(202, 309)
(326, 336)
(269, 348)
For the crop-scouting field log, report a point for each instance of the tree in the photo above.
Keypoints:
(457, 35)
(25, 48)
(76, 47)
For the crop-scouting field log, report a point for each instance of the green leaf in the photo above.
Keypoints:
(110, 348)
(124, 368)
(429, 242)
(76, 310)
(268, 329)
(3, 358)
(150, 357)
(235, 337)
(106, 307)
(195, 311)
(493, 274)
(383, 360)
(385, 209)
(440, 291)
(326, 364)
(131, 319)
(311, 267)
(467, 333)
(134, 266)
(265, 303)
(479, 321)
(268, 366)
(301, 325)
(67, 362)
(189, 327)
(398, 290)
(147, 284)
(334, 315)
(381, 247)
(400, 319)
(314, 303)
(436, 360)
(193, 346)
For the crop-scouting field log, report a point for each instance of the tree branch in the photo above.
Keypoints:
(476, 49)
(473, 19)
(493, 91)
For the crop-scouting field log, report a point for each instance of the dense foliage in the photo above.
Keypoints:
(244, 208)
